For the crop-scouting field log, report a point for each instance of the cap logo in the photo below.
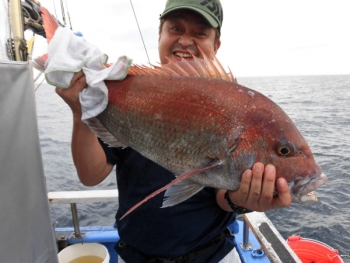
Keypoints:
(213, 7)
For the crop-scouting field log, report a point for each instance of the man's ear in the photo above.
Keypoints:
(217, 45)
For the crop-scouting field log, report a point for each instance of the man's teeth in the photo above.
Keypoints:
(184, 55)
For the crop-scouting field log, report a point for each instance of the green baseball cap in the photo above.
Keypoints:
(211, 10)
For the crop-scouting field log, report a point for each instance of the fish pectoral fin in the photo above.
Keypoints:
(176, 181)
(101, 132)
(180, 192)
(235, 138)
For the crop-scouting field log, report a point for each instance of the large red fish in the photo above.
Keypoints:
(195, 120)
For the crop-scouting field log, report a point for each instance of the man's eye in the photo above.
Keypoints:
(201, 34)
(175, 29)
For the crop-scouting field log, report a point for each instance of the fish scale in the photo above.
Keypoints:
(181, 123)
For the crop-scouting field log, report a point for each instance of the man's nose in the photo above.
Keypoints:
(186, 40)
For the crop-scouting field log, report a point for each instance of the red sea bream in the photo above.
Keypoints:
(195, 120)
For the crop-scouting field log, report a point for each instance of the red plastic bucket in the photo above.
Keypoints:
(313, 251)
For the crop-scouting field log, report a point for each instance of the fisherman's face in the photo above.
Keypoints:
(185, 30)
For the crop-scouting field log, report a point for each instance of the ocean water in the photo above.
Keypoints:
(320, 108)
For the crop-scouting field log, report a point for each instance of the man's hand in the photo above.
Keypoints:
(257, 188)
(71, 94)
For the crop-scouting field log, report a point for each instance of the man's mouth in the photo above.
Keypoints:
(183, 55)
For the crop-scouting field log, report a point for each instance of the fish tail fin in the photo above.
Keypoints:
(50, 27)
(50, 24)
(39, 62)
(177, 180)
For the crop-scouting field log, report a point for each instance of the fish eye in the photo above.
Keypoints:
(285, 149)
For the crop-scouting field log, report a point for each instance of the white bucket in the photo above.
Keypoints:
(85, 252)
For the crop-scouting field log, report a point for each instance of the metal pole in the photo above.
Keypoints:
(17, 30)
(74, 210)
(245, 235)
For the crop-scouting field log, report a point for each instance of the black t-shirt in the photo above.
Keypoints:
(164, 232)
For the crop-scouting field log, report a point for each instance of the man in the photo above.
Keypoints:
(194, 230)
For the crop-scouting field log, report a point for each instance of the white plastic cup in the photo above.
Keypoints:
(76, 251)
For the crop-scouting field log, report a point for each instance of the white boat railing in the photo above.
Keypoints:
(88, 196)
(74, 197)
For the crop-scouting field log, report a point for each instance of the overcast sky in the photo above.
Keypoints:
(259, 37)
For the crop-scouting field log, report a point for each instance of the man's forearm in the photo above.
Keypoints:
(88, 155)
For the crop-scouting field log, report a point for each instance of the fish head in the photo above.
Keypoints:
(270, 136)
(295, 162)
(301, 171)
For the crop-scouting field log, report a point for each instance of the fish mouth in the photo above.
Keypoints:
(302, 190)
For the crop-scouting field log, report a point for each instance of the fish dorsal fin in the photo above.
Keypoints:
(206, 67)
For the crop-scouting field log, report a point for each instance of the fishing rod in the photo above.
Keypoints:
(140, 32)
(70, 22)
(63, 13)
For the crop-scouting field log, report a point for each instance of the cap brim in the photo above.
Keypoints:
(207, 17)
